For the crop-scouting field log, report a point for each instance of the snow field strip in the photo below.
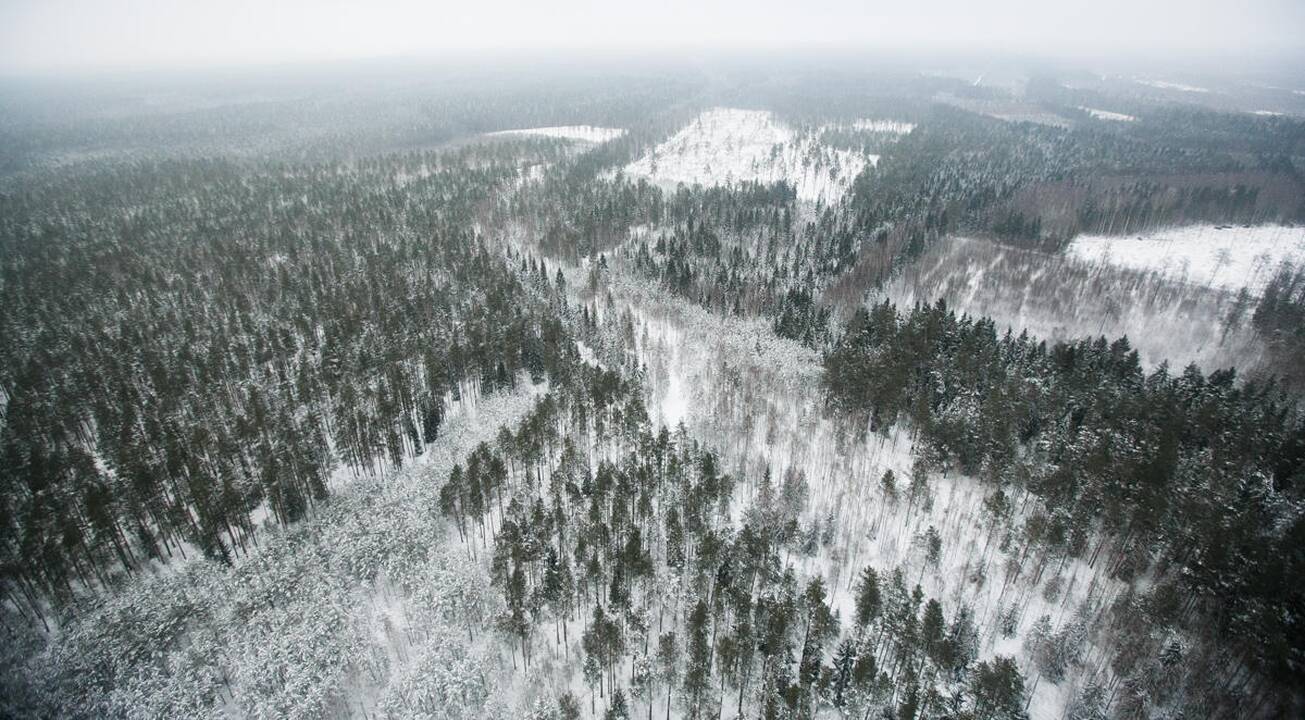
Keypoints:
(582, 133)
(725, 146)
(1221, 257)
(1107, 114)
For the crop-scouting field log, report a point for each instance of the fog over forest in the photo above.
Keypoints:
(697, 361)
(83, 35)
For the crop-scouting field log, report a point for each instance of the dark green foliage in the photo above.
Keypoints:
(868, 601)
(998, 690)
(1279, 317)
(1194, 468)
(194, 341)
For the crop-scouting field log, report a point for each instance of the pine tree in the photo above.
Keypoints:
(998, 690)
(616, 709)
(844, 662)
(668, 665)
(932, 627)
(868, 601)
(697, 675)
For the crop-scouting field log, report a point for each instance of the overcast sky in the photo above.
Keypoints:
(58, 35)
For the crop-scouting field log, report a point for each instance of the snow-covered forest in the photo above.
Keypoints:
(653, 392)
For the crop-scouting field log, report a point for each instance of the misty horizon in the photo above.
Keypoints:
(77, 37)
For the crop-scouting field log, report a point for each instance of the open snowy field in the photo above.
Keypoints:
(1166, 85)
(725, 145)
(1060, 298)
(582, 133)
(1222, 257)
(1107, 114)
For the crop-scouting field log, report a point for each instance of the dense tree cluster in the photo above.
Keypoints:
(366, 606)
(631, 550)
(1279, 316)
(191, 347)
(711, 245)
(1193, 479)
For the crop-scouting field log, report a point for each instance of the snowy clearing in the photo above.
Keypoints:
(1107, 114)
(582, 133)
(1061, 298)
(1222, 257)
(725, 146)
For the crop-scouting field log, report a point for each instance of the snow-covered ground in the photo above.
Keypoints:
(587, 354)
(583, 133)
(1223, 257)
(1009, 110)
(892, 127)
(1166, 85)
(755, 399)
(726, 145)
(1060, 298)
(1107, 114)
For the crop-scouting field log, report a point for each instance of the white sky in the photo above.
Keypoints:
(54, 35)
